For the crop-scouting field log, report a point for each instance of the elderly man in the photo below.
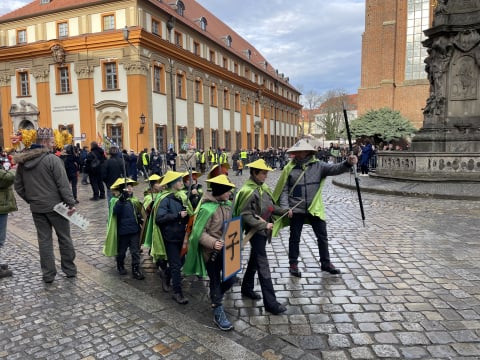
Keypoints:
(42, 182)
(300, 188)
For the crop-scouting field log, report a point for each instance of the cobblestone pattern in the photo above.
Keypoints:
(409, 289)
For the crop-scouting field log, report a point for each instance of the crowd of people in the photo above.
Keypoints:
(178, 222)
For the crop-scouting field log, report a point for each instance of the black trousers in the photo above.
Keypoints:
(132, 242)
(319, 228)
(258, 262)
(217, 286)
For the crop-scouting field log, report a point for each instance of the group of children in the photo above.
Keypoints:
(184, 229)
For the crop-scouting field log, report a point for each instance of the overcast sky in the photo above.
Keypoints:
(316, 43)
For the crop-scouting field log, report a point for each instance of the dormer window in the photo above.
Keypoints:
(203, 23)
(248, 53)
(179, 7)
(228, 41)
(45, 1)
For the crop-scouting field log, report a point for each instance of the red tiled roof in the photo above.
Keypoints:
(216, 30)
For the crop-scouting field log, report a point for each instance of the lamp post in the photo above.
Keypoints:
(170, 25)
(142, 127)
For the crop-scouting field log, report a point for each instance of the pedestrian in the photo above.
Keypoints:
(171, 158)
(156, 163)
(254, 203)
(72, 167)
(190, 159)
(124, 226)
(300, 186)
(365, 156)
(112, 169)
(83, 163)
(8, 204)
(95, 159)
(132, 165)
(205, 256)
(172, 218)
(41, 180)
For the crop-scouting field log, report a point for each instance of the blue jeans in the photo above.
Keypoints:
(3, 228)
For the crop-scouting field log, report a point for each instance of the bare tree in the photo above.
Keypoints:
(311, 102)
(330, 119)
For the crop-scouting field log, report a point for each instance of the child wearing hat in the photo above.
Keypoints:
(206, 240)
(172, 218)
(124, 226)
(255, 204)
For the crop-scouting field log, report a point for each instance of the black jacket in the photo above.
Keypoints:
(169, 220)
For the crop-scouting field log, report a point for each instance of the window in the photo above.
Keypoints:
(21, 36)
(418, 19)
(182, 137)
(114, 132)
(203, 24)
(228, 140)
(178, 39)
(199, 138)
(213, 95)
(155, 27)
(198, 91)
(23, 83)
(214, 138)
(159, 78)
(180, 8)
(160, 137)
(211, 56)
(181, 86)
(237, 102)
(196, 48)
(247, 73)
(62, 30)
(225, 63)
(63, 80)
(228, 41)
(226, 98)
(235, 68)
(108, 22)
(238, 140)
(257, 108)
(110, 77)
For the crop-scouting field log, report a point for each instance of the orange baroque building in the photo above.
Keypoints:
(393, 72)
(143, 73)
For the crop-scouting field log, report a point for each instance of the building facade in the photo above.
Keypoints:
(393, 70)
(144, 73)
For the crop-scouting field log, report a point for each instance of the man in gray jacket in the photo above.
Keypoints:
(42, 182)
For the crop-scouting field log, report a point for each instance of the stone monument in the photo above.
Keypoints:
(447, 147)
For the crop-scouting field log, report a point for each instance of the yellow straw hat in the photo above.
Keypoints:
(259, 164)
(121, 182)
(154, 177)
(171, 176)
(221, 180)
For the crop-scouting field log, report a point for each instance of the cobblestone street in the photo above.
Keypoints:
(409, 289)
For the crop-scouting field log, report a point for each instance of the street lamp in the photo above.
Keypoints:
(142, 127)
(172, 99)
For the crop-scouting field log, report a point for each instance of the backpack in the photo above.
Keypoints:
(95, 162)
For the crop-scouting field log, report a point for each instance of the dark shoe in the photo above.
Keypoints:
(3, 266)
(179, 298)
(101, 197)
(71, 276)
(48, 280)
(220, 319)
(121, 269)
(94, 198)
(165, 281)
(6, 273)
(277, 309)
(77, 202)
(251, 294)
(137, 273)
(84, 183)
(329, 267)
(294, 270)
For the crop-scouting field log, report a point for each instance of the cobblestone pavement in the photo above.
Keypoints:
(409, 289)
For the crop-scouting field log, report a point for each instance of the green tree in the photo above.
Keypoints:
(330, 118)
(382, 125)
